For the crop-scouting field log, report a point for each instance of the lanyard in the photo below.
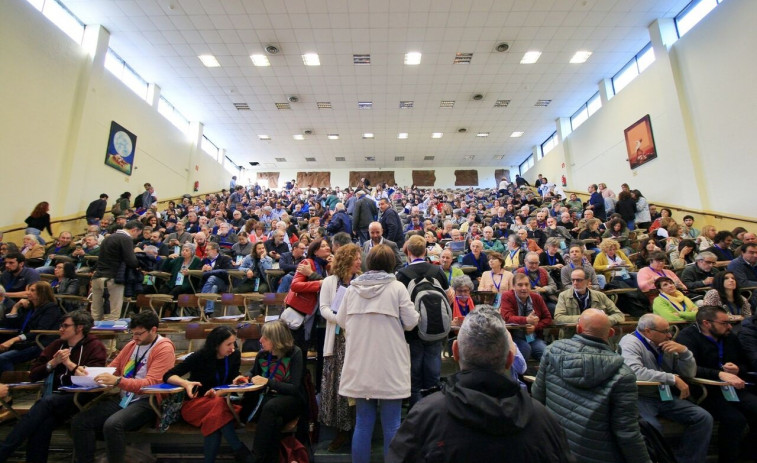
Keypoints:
(464, 309)
(512, 254)
(654, 352)
(226, 374)
(719, 344)
(551, 259)
(418, 260)
(449, 275)
(523, 306)
(533, 283)
(683, 303)
(733, 309)
(727, 252)
(584, 301)
(497, 285)
(26, 320)
(272, 371)
(138, 363)
(662, 274)
(572, 267)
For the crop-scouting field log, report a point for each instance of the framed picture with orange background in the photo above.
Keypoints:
(640, 142)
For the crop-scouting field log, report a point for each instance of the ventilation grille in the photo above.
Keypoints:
(281, 159)
(364, 105)
(406, 104)
(543, 103)
(361, 60)
(399, 158)
(370, 158)
(462, 58)
(428, 158)
(282, 106)
(501, 103)
(339, 159)
(447, 104)
(323, 105)
(310, 159)
(242, 106)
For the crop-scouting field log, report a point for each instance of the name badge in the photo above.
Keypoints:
(177, 249)
(179, 279)
(48, 262)
(149, 280)
(530, 338)
(126, 400)
(729, 393)
(665, 394)
(257, 284)
(240, 259)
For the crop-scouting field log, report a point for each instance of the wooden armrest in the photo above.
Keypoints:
(707, 382)
(648, 383)
(529, 379)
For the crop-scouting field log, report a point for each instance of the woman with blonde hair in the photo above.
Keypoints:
(613, 263)
(334, 410)
(705, 240)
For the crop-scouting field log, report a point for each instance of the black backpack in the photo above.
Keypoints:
(433, 306)
(658, 449)
(138, 202)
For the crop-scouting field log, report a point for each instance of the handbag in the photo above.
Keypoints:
(170, 409)
(292, 318)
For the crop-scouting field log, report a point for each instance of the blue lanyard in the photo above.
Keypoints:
(572, 267)
(226, 374)
(464, 310)
(584, 301)
(683, 303)
(551, 259)
(418, 260)
(26, 320)
(272, 371)
(719, 345)
(497, 285)
(449, 276)
(533, 283)
(512, 254)
(654, 352)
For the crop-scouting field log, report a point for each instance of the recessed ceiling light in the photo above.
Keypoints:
(516, 134)
(542, 103)
(309, 159)
(264, 137)
(580, 57)
(530, 57)
(299, 136)
(283, 106)
(242, 106)
(209, 61)
(469, 157)
(370, 158)
(260, 60)
(402, 135)
(333, 136)
(311, 59)
(413, 58)
(482, 134)
(367, 135)
(437, 135)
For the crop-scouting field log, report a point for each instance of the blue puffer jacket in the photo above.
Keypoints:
(594, 395)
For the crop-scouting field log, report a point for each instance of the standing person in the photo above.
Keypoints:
(592, 393)
(364, 213)
(335, 409)
(481, 414)
(596, 203)
(376, 373)
(122, 204)
(39, 220)
(63, 358)
(147, 197)
(279, 366)
(115, 250)
(720, 357)
(643, 217)
(142, 362)
(96, 210)
(391, 223)
(653, 356)
(425, 356)
(215, 364)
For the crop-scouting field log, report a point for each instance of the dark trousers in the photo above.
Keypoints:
(114, 421)
(38, 425)
(734, 418)
(274, 413)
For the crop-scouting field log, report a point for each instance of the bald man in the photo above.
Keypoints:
(593, 393)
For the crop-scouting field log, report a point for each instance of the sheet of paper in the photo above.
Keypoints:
(92, 373)
(337, 301)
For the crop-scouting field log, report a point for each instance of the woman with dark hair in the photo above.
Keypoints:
(306, 284)
(255, 265)
(375, 312)
(642, 258)
(657, 223)
(39, 220)
(683, 255)
(726, 293)
(38, 312)
(643, 217)
(656, 269)
(66, 282)
(279, 366)
(335, 409)
(626, 207)
(617, 230)
(215, 364)
(671, 304)
(122, 204)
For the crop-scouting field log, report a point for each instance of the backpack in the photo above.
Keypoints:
(292, 451)
(138, 202)
(116, 209)
(657, 447)
(433, 306)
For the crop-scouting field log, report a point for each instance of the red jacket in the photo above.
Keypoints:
(509, 310)
(303, 294)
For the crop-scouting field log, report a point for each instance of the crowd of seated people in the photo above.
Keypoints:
(547, 257)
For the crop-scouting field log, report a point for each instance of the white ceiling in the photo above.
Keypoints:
(161, 39)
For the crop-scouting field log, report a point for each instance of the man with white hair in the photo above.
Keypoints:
(340, 221)
(481, 414)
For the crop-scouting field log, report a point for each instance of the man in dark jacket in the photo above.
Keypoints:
(214, 266)
(365, 212)
(593, 394)
(96, 210)
(391, 223)
(340, 221)
(116, 250)
(425, 356)
(481, 414)
(719, 357)
(702, 272)
(62, 359)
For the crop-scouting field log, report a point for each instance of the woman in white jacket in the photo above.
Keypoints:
(335, 410)
(376, 373)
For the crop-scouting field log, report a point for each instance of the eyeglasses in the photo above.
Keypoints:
(719, 322)
(711, 262)
(577, 279)
(63, 326)
(668, 331)
(134, 333)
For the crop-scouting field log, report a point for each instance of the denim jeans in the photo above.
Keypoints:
(215, 285)
(534, 349)
(285, 283)
(695, 439)
(366, 418)
(425, 367)
(10, 358)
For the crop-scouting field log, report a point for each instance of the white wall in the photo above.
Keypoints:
(701, 99)
(55, 117)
